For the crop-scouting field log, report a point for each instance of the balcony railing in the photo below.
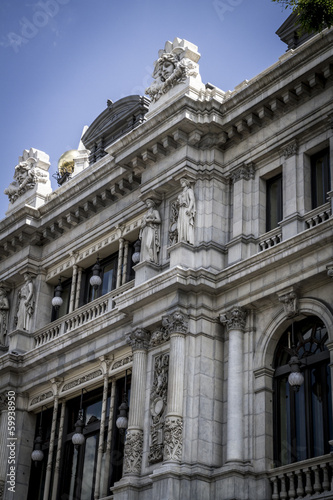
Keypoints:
(270, 239)
(79, 317)
(318, 215)
(309, 479)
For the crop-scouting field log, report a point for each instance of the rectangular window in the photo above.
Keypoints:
(320, 178)
(273, 202)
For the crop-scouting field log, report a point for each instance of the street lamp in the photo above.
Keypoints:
(57, 299)
(37, 454)
(295, 378)
(96, 280)
(122, 421)
(78, 438)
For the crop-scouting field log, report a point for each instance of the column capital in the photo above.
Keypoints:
(176, 322)
(244, 171)
(234, 319)
(139, 339)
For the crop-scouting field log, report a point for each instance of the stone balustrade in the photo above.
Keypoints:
(81, 316)
(270, 239)
(318, 215)
(309, 479)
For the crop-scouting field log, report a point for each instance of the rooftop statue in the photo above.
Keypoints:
(176, 62)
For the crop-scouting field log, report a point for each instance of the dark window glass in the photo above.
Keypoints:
(273, 202)
(320, 178)
(109, 279)
(303, 419)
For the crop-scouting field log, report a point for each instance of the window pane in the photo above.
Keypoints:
(300, 423)
(108, 278)
(320, 178)
(274, 202)
(89, 466)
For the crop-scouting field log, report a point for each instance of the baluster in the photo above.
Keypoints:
(317, 485)
(308, 485)
(326, 481)
(275, 495)
(283, 492)
(292, 491)
(300, 488)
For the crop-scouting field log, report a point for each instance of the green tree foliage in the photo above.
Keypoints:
(313, 15)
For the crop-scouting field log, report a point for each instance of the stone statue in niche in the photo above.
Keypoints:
(150, 233)
(4, 308)
(175, 64)
(26, 306)
(186, 212)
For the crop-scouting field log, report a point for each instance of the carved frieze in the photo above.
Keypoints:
(122, 362)
(133, 452)
(158, 402)
(82, 380)
(290, 149)
(173, 439)
(41, 397)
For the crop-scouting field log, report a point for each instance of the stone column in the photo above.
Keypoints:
(120, 261)
(78, 288)
(139, 340)
(176, 324)
(50, 464)
(109, 440)
(292, 186)
(73, 289)
(59, 450)
(125, 262)
(235, 323)
(242, 179)
(105, 363)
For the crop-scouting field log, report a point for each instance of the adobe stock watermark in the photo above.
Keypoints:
(223, 7)
(29, 28)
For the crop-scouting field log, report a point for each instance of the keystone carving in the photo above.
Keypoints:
(290, 303)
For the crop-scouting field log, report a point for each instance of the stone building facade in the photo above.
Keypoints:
(150, 306)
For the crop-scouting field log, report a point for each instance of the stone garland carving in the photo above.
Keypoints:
(139, 339)
(133, 452)
(234, 319)
(158, 402)
(26, 176)
(173, 439)
(4, 308)
(41, 397)
(82, 380)
(150, 233)
(290, 304)
(186, 212)
(122, 362)
(26, 304)
(171, 68)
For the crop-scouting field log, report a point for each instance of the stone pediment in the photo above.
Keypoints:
(116, 120)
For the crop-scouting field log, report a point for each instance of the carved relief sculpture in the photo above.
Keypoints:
(158, 401)
(173, 232)
(150, 233)
(175, 64)
(25, 307)
(4, 308)
(173, 439)
(133, 452)
(26, 175)
(186, 212)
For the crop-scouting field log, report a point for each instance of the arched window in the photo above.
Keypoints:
(303, 418)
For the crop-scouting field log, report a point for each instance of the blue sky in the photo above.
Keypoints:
(62, 59)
